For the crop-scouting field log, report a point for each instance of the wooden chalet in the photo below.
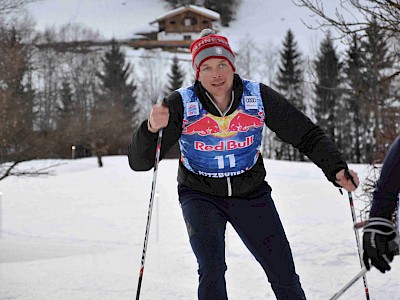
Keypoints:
(177, 28)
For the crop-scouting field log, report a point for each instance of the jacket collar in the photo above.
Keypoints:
(205, 101)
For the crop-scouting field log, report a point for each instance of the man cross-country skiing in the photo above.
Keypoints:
(218, 122)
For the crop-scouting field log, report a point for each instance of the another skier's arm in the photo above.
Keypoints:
(385, 196)
(380, 234)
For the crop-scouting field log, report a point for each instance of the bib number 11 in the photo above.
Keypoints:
(228, 158)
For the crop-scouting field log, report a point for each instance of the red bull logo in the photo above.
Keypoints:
(204, 126)
(223, 126)
(243, 122)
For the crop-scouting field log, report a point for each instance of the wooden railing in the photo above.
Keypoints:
(148, 44)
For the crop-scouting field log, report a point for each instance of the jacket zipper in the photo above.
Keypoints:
(228, 179)
(227, 109)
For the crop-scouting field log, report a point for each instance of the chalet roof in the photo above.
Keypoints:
(197, 9)
(147, 28)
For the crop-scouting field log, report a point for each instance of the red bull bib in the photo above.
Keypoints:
(225, 146)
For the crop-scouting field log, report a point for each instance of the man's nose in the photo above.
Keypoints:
(216, 73)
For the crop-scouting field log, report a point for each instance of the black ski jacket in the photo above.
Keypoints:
(290, 125)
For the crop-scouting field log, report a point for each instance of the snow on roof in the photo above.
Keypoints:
(199, 9)
(148, 28)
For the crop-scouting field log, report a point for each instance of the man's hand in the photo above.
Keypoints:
(347, 179)
(158, 118)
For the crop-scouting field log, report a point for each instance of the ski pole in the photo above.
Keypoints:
(153, 188)
(349, 284)
(353, 214)
(393, 245)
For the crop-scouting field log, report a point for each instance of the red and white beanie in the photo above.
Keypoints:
(209, 45)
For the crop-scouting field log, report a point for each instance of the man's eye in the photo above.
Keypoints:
(223, 65)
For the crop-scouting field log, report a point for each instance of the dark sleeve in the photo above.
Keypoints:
(385, 196)
(295, 128)
(142, 148)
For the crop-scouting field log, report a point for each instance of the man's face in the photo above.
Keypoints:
(216, 76)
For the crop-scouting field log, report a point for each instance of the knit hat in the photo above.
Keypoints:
(209, 45)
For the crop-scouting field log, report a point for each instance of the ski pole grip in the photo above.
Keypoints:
(349, 176)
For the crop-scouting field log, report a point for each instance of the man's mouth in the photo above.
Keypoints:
(218, 84)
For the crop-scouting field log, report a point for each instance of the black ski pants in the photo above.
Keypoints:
(256, 221)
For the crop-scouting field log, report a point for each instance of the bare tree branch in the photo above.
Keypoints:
(9, 6)
(10, 169)
(385, 12)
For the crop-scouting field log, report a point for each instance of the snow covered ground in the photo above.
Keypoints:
(78, 234)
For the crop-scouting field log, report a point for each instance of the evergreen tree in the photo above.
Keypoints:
(378, 62)
(178, 3)
(115, 113)
(225, 8)
(290, 84)
(117, 89)
(328, 102)
(67, 104)
(173, 3)
(176, 77)
(354, 71)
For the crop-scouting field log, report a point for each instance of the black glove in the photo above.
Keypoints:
(380, 243)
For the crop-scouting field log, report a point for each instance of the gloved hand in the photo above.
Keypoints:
(380, 243)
